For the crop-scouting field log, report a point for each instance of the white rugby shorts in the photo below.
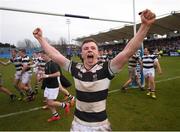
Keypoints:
(26, 76)
(148, 72)
(51, 93)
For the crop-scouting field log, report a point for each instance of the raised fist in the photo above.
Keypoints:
(37, 33)
(147, 17)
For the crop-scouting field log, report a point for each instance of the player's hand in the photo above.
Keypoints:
(147, 17)
(39, 78)
(37, 33)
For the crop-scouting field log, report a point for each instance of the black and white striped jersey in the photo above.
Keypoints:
(91, 91)
(41, 63)
(35, 61)
(26, 61)
(148, 61)
(132, 63)
(17, 61)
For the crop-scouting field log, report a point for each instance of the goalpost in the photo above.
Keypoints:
(140, 53)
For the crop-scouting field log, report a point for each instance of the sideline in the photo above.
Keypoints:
(38, 108)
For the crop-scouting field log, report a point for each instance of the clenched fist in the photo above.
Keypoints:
(147, 17)
(37, 33)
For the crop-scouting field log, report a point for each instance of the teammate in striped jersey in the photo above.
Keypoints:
(34, 61)
(34, 64)
(157, 54)
(92, 78)
(40, 64)
(16, 60)
(26, 75)
(132, 64)
(149, 61)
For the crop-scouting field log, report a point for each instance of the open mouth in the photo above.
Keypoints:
(90, 56)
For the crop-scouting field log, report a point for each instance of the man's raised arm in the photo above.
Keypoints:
(54, 54)
(147, 18)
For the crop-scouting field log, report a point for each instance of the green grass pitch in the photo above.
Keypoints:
(131, 111)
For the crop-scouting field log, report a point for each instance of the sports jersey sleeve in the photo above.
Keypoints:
(67, 65)
(73, 68)
(109, 70)
(113, 69)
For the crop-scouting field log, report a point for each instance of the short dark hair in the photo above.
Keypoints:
(22, 50)
(150, 50)
(15, 50)
(87, 40)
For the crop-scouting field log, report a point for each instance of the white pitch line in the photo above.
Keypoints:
(20, 112)
(164, 80)
(168, 79)
(38, 108)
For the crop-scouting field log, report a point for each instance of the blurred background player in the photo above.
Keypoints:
(64, 83)
(110, 54)
(132, 64)
(40, 64)
(149, 62)
(157, 53)
(34, 65)
(17, 62)
(26, 75)
(50, 78)
(102, 56)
